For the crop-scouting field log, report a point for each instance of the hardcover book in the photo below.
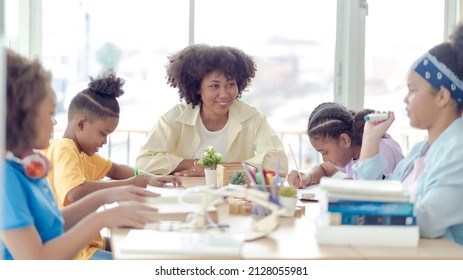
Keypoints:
(362, 187)
(371, 207)
(392, 236)
(335, 196)
(360, 219)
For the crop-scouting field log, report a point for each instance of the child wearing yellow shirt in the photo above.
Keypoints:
(78, 169)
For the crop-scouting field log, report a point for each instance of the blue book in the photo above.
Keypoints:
(360, 219)
(371, 207)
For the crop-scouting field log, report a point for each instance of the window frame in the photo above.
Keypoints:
(349, 78)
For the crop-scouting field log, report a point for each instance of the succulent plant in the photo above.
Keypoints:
(237, 178)
(288, 191)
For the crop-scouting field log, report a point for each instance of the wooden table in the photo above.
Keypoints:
(295, 239)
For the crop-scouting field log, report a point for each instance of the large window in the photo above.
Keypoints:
(293, 43)
(291, 40)
(83, 37)
(395, 37)
(396, 34)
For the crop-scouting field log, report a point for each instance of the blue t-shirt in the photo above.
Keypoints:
(28, 202)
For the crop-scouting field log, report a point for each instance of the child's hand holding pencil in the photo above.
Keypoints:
(295, 177)
(299, 179)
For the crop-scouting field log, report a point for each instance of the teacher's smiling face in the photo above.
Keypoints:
(218, 93)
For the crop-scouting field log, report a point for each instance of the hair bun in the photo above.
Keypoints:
(107, 84)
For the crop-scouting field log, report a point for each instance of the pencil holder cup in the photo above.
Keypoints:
(289, 203)
(288, 199)
(257, 209)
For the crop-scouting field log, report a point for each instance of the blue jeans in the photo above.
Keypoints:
(103, 254)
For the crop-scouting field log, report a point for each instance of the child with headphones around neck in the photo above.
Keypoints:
(78, 170)
(31, 224)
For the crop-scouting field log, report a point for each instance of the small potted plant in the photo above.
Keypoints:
(288, 199)
(210, 159)
(238, 179)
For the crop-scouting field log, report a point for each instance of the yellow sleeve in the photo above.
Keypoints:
(159, 157)
(66, 172)
(72, 168)
(169, 142)
(269, 149)
(258, 144)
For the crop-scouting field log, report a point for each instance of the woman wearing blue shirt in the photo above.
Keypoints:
(432, 170)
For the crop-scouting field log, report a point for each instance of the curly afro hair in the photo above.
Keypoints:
(26, 87)
(186, 69)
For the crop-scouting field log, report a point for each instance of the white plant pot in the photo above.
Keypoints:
(290, 204)
(211, 177)
(237, 186)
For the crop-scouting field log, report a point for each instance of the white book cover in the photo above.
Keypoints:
(365, 187)
(183, 244)
(335, 196)
(391, 236)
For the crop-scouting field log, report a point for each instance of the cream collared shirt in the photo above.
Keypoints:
(175, 138)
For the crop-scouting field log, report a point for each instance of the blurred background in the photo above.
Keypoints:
(294, 43)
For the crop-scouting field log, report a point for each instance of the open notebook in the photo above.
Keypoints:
(182, 244)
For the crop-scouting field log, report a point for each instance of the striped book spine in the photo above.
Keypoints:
(371, 207)
(360, 219)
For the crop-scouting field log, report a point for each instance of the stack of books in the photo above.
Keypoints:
(366, 212)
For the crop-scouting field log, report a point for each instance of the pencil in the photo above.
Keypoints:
(249, 174)
(136, 170)
(295, 162)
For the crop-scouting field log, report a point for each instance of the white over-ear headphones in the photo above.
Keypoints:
(36, 165)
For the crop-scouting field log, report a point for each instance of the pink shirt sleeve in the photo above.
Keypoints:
(391, 151)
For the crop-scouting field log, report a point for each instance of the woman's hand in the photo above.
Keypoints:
(294, 180)
(161, 181)
(194, 171)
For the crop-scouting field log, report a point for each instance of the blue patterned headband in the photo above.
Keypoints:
(439, 76)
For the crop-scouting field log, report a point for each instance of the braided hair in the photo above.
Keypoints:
(98, 101)
(330, 120)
